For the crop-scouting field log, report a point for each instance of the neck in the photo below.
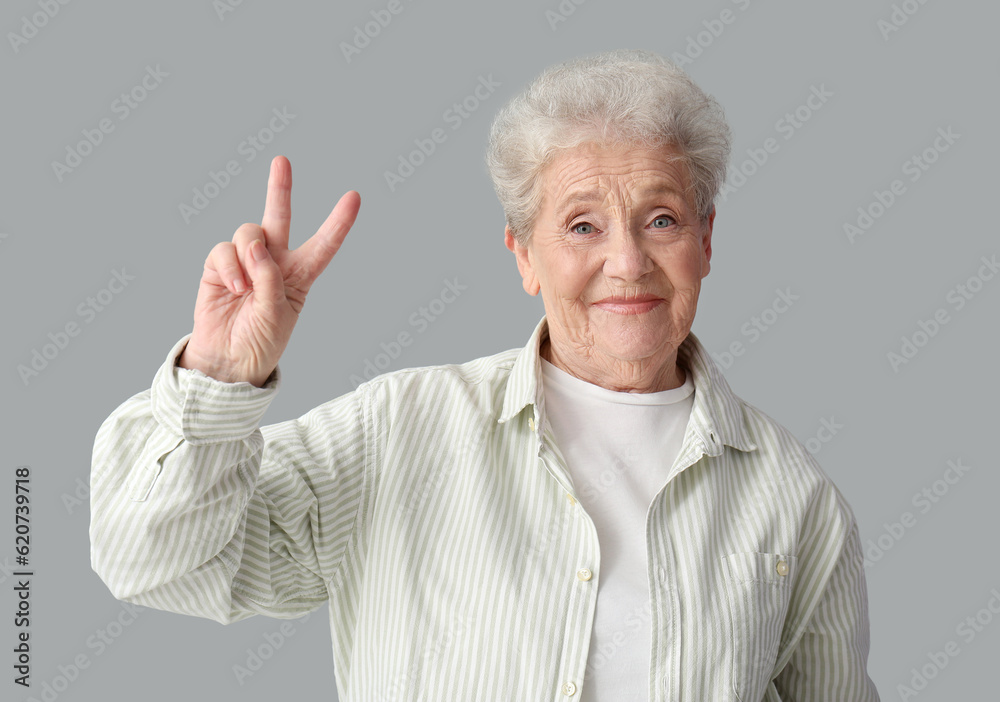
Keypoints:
(620, 376)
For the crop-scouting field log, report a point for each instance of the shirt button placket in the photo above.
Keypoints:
(583, 574)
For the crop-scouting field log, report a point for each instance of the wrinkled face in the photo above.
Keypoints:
(618, 255)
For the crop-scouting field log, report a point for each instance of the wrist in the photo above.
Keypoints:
(224, 373)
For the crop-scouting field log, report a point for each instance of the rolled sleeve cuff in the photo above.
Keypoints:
(204, 410)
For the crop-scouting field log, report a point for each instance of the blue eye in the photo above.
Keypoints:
(576, 228)
(662, 218)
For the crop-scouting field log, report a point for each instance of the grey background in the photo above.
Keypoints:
(826, 357)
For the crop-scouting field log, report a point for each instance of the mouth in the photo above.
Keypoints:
(631, 305)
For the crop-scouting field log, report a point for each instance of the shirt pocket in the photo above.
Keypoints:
(758, 586)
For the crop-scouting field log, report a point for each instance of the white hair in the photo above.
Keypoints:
(617, 98)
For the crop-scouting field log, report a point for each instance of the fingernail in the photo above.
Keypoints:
(258, 250)
(238, 286)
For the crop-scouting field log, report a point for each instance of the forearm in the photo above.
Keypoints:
(174, 470)
(163, 508)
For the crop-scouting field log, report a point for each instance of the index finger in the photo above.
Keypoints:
(278, 206)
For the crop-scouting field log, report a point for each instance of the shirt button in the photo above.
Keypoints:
(531, 423)
(782, 568)
(568, 689)
(583, 574)
(572, 500)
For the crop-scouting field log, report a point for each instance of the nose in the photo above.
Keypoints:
(625, 254)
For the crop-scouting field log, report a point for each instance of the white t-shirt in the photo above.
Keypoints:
(619, 447)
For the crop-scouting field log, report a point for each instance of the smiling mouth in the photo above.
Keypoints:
(627, 307)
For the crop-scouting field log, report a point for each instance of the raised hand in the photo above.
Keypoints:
(253, 287)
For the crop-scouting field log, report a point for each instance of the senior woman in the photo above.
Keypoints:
(594, 516)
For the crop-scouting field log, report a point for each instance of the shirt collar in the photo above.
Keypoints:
(717, 413)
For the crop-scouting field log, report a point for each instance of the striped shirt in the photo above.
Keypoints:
(433, 510)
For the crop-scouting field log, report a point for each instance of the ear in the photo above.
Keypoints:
(706, 243)
(523, 256)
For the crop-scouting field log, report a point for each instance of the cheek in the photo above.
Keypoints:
(685, 269)
(569, 273)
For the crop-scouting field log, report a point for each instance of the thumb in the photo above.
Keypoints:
(268, 283)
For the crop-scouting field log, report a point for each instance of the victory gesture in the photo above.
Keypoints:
(253, 287)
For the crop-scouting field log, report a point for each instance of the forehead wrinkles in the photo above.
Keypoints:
(611, 182)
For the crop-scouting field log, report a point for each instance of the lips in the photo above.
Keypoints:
(629, 305)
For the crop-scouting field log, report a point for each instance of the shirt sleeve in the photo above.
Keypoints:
(196, 509)
(829, 662)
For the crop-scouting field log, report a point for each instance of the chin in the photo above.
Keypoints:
(634, 342)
